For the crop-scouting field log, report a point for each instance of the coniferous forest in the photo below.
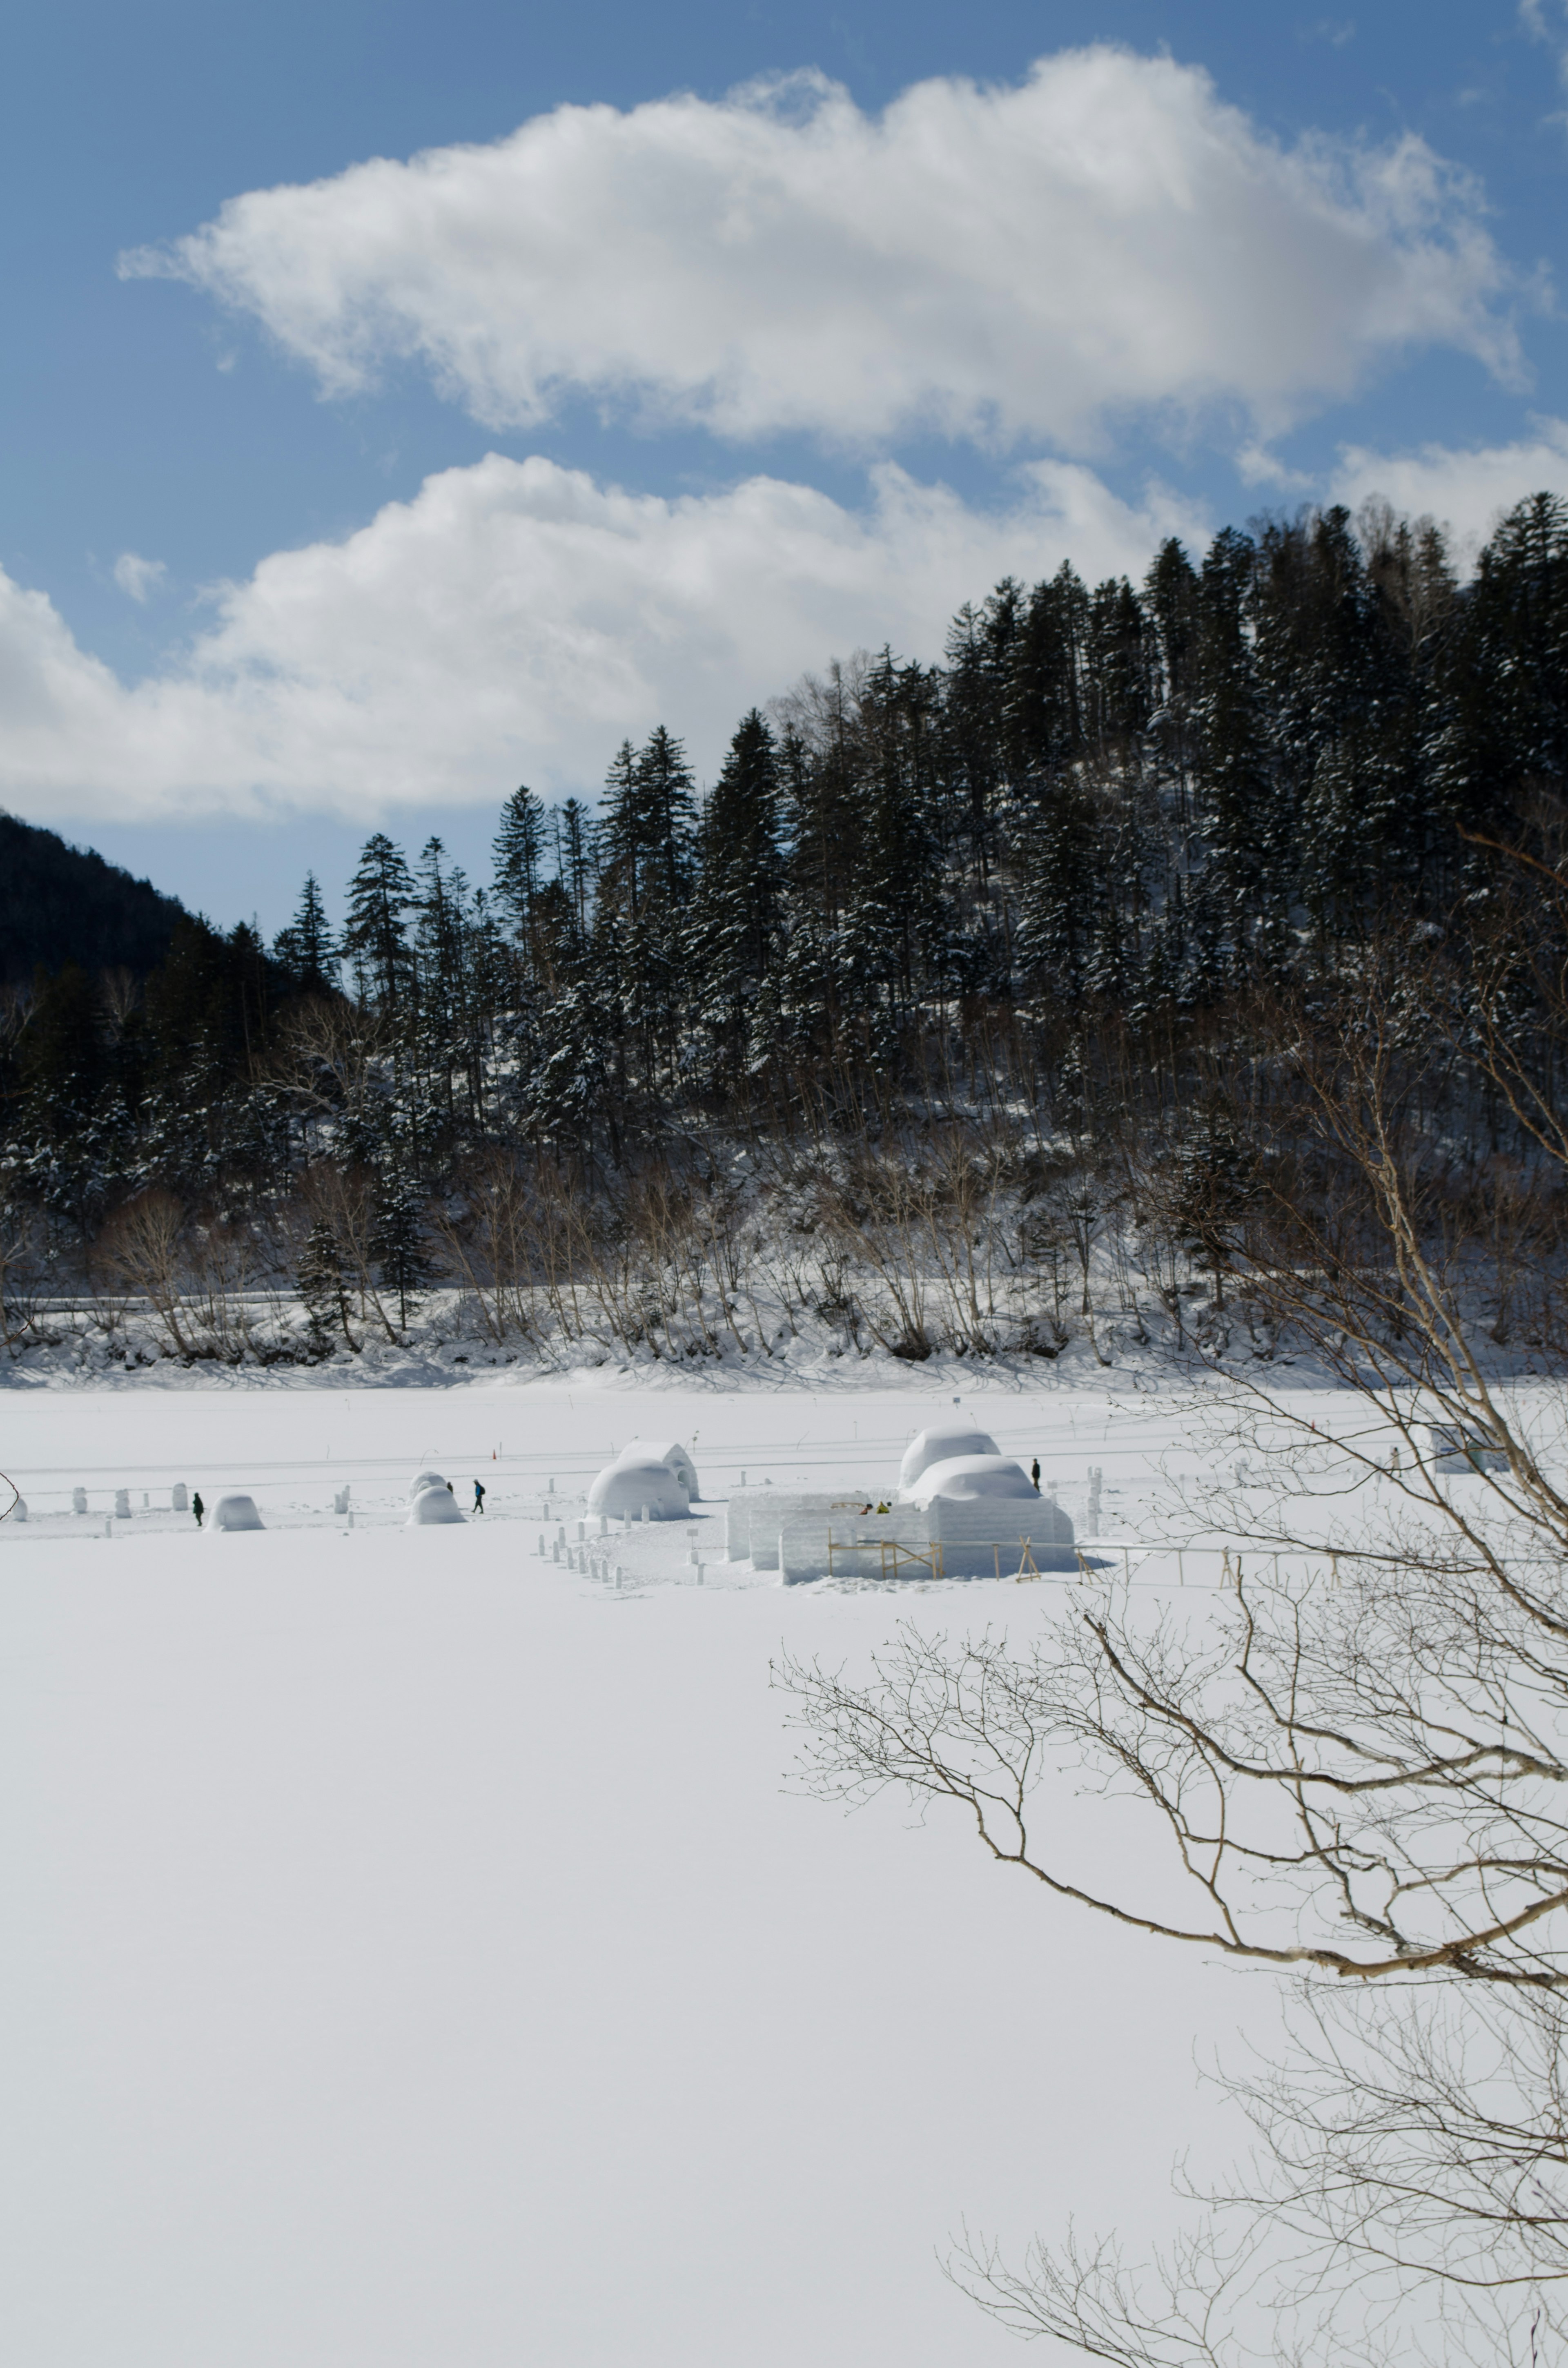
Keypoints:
(965, 1008)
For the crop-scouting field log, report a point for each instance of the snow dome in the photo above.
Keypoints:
(431, 1507)
(422, 1480)
(668, 1452)
(938, 1445)
(963, 1478)
(640, 1478)
(235, 1513)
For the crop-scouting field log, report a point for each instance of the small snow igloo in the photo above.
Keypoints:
(433, 1508)
(640, 1478)
(668, 1452)
(233, 1512)
(940, 1444)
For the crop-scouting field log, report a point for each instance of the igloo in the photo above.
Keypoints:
(939, 1445)
(668, 1452)
(233, 1512)
(431, 1507)
(640, 1478)
(962, 1479)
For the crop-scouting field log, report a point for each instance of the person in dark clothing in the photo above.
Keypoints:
(1034, 1474)
(198, 1508)
(479, 1497)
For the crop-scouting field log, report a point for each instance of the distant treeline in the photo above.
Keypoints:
(1030, 888)
(61, 904)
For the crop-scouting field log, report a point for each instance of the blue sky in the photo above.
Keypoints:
(357, 510)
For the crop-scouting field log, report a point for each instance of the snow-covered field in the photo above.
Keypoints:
(413, 1951)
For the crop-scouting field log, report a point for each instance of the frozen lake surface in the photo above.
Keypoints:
(413, 1951)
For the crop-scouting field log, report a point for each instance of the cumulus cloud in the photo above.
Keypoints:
(996, 263)
(515, 620)
(137, 576)
(1467, 490)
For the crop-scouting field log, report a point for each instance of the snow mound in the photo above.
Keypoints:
(963, 1478)
(668, 1452)
(637, 1478)
(422, 1480)
(940, 1444)
(431, 1507)
(235, 1513)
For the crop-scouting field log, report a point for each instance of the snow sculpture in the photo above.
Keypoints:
(179, 1497)
(432, 1507)
(668, 1452)
(425, 1480)
(939, 1444)
(235, 1512)
(964, 1477)
(640, 1478)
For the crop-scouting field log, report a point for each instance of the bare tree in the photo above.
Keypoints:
(1357, 1757)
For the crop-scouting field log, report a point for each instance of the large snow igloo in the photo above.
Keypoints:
(638, 1477)
(233, 1512)
(939, 1444)
(982, 1508)
(668, 1452)
(433, 1508)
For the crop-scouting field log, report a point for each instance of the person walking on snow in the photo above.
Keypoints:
(478, 1496)
(1034, 1475)
(198, 1508)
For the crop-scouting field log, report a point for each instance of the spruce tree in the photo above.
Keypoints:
(381, 896)
(519, 851)
(737, 910)
(305, 949)
(323, 1290)
(397, 1237)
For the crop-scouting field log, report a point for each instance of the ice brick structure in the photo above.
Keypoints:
(432, 1507)
(641, 1476)
(233, 1512)
(1453, 1448)
(755, 1517)
(806, 1536)
(668, 1452)
(939, 1444)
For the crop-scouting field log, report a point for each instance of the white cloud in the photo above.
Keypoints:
(137, 576)
(515, 620)
(1466, 490)
(1256, 465)
(999, 263)
(1555, 32)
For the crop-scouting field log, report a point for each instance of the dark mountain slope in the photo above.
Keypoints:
(61, 904)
